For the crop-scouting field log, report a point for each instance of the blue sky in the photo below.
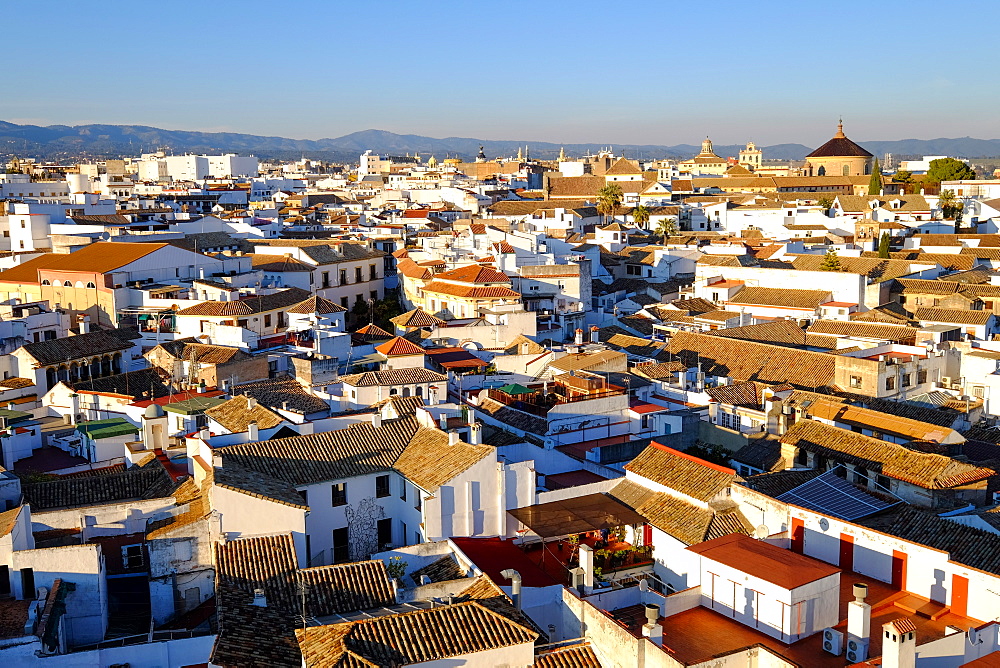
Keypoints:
(627, 72)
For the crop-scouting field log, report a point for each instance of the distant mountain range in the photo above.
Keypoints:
(57, 142)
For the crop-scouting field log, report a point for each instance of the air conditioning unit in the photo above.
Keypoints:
(857, 650)
(833, 641)
(946, 381)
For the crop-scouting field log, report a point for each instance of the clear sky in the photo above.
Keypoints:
(657, 72)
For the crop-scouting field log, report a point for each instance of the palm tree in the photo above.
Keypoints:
(946, 200)
(609, 199)
(640, 216)
(667, 227)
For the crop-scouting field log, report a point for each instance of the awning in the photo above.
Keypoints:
(592, 512)
(515, 389)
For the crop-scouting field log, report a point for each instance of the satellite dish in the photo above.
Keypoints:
(762, 532)
(644, 585)
(973, 636)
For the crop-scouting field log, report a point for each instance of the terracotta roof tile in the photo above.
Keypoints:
(689, 475)
(99, 258)
(399, 347)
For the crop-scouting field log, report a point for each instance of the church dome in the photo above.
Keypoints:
(153, 411)
(840, 147)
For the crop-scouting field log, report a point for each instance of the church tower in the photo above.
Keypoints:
(751, 157)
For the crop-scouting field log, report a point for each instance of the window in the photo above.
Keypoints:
(730, 420)
(890, 383)
(326, 279)
(357, 275)
(341, 551)
(856, 382)
(882, 481)
(402, 493)
(344, 302)
(267, 320)
(979, 392)
(91, 284)
(338, 494)
(921, 376)
(343, 277)
(906, 380)
(382, 486)
(28, 583)
(416, 499)
(372, 274)
(132, 556)
(384, 532)
(46, 281)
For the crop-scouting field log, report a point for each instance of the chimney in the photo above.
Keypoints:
(515, 585)
(84, 324)
(594, 332)
(259, 598)
(578, 338)
(253, 433)
(453, 438)
(577, 574)
(74, 407)
(377, 419)
(443, 422)
(475, 434)
(859, 615)
(654, 632)
(899, 644)
(587, 564)
(204, 434)
(251, 403)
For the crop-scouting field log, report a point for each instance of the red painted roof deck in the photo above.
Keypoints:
(839, 304)
(726, 284)
(700, 634)
(643, 407)
(770, 563)
(492, 555)
(178, 396)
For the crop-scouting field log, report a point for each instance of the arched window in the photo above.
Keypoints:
(821, 171)
(420, 391)
(406, 391)
(91, 284)
(79, 284)
(393, 392)
(46, 281)
(847, 170)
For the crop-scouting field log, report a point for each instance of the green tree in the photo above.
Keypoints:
(903, 176)
(948, 169)
(640, 215)
(946, 200)
(667, 227)
(875, 183)
(825, 202)
(831, 262)
(609, 199)
(883, 246)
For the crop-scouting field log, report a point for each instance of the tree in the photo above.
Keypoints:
(831, 262)
(875, 183)
(825, 202)
(948, 169)
(667, 227)
(903, 176)
(640, 215)
(883, 246)
(609, 199)
(946, 200)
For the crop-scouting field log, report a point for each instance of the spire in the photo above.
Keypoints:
(840, 128)
(562, 154)
(520, 155)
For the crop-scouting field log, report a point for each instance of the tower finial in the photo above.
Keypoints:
(840, 126)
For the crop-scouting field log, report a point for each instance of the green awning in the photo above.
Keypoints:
(514, 389)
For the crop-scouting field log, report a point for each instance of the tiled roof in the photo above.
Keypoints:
(780, 332)
(513, 418)
(776, 483)
(146, 482)
(279, 263)
(429, 461)
(282, 393)
(786, 297)
(98, 258)
(864, 330)
(748, 394)
(390, 377)
(417, 318)
(399, 347)
(356, 450)
(475, 273)
(624, 167)
(442, 570)
(572, 656)
(137, 384)
(248, 305)
(372, 332)
(689, 475)
(15, 383)
(839, 146)
(762, 452)
(77, 347)
(471, 292)
(190, 348)
(966, 545)
(926, 470)
(749, 360)
(8, 519)
(685, 521)
(254, 483)
(953, 315)
(421, 636)
(236, 415)
(316, 304)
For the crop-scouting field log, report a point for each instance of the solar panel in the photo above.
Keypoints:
(832, 495)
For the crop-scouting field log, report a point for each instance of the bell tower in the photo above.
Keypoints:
(751, 157)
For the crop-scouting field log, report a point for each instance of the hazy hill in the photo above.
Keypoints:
(63, 141)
